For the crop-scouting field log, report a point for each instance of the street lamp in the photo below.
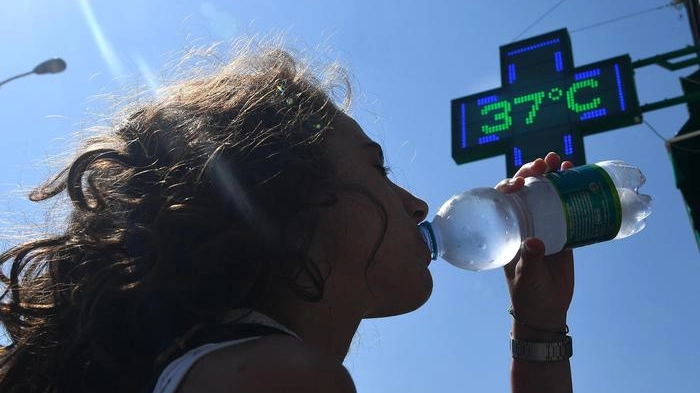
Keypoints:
(51, 66)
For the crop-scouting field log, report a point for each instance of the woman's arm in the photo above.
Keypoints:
(541, 289)
(551, 277)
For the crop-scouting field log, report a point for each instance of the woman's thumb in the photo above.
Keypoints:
(532, 252)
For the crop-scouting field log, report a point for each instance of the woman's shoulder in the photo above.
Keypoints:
(274, 363)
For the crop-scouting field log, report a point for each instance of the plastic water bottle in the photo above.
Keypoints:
(483, 228)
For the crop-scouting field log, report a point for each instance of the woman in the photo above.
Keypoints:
(230, 236)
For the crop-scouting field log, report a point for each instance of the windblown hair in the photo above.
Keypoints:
(181, 211)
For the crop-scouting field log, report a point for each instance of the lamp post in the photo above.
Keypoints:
(51, 66)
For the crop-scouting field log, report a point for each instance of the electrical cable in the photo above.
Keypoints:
(656, 132)
(666, 141)
(549, 11)
(622, 17)
(605, 22)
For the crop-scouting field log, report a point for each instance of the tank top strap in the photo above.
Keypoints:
(232, 329)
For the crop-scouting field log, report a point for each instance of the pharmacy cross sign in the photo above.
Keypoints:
(544, 104)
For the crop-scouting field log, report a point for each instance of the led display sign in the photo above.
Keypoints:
(545, 104)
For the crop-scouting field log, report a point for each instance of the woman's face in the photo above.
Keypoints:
(378, 261)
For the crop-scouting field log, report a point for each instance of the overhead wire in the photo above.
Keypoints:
(619, 18)
(668, 142)
(597, 24)
(549, 11)
(663, 138)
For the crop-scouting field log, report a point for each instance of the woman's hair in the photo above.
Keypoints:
(196, 202)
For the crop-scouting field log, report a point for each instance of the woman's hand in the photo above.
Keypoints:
(540, 287)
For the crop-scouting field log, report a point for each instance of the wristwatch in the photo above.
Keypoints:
(542, 352)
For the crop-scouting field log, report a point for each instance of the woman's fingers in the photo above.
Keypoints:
(551, 162)
(534, 168)
(511, 184)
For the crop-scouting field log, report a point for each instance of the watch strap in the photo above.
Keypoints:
(542, 352)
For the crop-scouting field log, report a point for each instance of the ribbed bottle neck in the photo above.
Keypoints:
(518, 199)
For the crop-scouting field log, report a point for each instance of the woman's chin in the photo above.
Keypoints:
(409, 304)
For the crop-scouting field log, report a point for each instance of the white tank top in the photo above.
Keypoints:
(171, 377)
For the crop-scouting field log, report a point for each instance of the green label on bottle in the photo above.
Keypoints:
(591, 204)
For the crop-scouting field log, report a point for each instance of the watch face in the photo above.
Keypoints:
(542, 352)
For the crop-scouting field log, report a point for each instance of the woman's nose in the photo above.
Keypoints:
(415, 207)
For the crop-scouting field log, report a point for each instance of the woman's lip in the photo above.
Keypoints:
(428, 254)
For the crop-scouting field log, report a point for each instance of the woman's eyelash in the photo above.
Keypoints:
(385, 169)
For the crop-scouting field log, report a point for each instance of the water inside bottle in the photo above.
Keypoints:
(478, 230)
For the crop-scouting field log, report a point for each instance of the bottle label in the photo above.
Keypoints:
(591, 204)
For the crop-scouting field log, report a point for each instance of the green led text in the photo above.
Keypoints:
(501, 111)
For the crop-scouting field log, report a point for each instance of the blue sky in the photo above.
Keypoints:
(634, 313)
